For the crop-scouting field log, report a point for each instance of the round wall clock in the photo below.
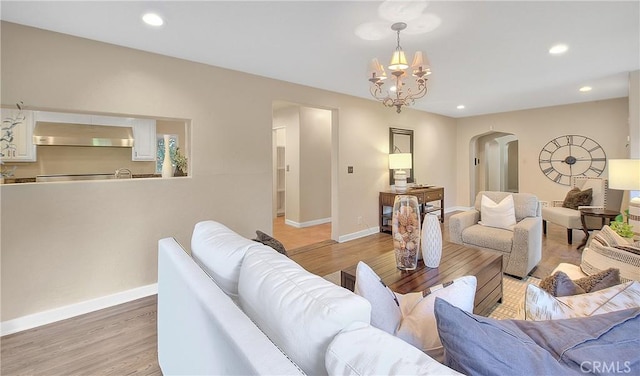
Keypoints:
(572, 155)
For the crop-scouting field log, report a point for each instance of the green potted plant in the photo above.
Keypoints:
(181, 164)
(6, 139)
(622, 227)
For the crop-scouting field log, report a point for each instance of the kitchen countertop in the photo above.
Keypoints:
(33, 179)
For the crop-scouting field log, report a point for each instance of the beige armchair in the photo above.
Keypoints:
(521, 248)
(602, 198)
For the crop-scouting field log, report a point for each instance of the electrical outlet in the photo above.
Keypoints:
(349, 169)
(359, 220)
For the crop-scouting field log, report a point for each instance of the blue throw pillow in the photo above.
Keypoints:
(600, 344)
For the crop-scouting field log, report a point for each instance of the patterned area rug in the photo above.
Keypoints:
(513, 289)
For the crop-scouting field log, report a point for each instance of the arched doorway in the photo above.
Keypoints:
(495, 163)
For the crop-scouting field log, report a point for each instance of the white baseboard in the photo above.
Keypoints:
(359, 234)
(373, 230)
(47, 317)
(315, 222)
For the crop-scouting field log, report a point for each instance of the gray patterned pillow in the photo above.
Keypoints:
(576, 197)
(271, 242)
(559, 284)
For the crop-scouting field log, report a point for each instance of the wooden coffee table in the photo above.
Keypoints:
(457, 261)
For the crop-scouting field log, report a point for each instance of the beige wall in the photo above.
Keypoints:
(308, 154)
(63, 243)
(603, 121)
(315, 164)
(634, 114)
(289, 118)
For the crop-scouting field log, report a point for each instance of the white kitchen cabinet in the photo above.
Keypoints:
(21, 148)
(144, 130)
(144, 144)
(113, 121)
(61, 117)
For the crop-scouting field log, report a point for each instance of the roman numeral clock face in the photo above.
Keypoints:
(572, 155)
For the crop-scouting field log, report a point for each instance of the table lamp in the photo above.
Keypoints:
(398, 162)
(624, 174)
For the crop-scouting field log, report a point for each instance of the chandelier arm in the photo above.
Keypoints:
(376, 92)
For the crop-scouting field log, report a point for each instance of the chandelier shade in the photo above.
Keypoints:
(398, 95)
(398, 61)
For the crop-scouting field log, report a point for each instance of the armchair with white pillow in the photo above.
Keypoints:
(509, 223)
(562, 213)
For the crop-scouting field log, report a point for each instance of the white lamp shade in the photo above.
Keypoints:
(624, 174)
(376, 70)
(398, 61)
(400, 161)
(420, 62)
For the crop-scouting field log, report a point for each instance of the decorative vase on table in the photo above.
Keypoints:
(167, 168)
(431, 241)
(405, 229)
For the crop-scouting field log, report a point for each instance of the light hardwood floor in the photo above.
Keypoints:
(122, 340)
(293, 238)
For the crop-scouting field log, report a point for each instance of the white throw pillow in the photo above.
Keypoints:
(540, 305)
(385, 312)
(378, 353)
(419, 327)
(411, 316)
(299, 311)
(500, 215)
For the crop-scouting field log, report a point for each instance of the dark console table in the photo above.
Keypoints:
(425, 197)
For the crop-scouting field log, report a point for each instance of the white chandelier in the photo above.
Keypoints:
(399, 95)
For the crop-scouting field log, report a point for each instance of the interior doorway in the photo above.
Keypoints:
(303, 158)
(494, 164)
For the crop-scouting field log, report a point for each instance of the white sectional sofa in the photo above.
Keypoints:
(235, 306)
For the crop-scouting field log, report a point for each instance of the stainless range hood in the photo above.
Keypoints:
(65, 134)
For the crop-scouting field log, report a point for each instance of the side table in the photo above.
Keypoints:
(598, 213)
(424, 196)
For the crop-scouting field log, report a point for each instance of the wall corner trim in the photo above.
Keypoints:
(61, 313)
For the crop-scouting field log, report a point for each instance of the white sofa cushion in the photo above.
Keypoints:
(411, 316)
(571, 270)
(220, 251)
(300, 312)
(201, 331)
(565, 217)
(540, 305)
(378, 353)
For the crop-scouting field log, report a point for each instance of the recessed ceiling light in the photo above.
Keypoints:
(460, 107)
(584, 89)
(558, 49)
(152, 19)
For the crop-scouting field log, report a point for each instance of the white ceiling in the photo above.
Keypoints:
(490, 56)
